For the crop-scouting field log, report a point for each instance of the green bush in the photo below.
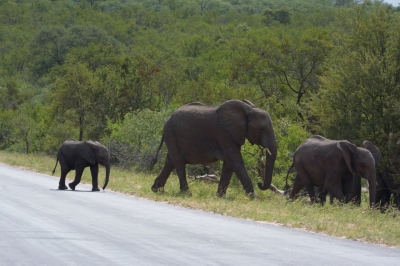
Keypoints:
(134, 141)
(289, 137)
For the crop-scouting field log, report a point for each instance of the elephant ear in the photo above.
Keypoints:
(349, 151)
(87, 151)
(376, 153)
(233, 116)
(249, 103)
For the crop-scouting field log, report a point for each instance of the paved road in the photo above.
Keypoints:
(40, 225)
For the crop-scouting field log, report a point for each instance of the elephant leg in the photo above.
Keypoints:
(311, 192)
(64, 172)
(384, 197)
(224, 180)
(306, 181)
(347, 186)
(321, 194)
(181, 172)
(297, 186)
(78, 176)
(396, 199)
(335, 190)
(357, 190)
(94, 170)
(380, 196)
(235, 162)
(331, 199)
(161, 179)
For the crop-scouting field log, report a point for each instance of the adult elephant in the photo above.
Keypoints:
(77, 155)
(386, 187)
(200, 134)
(330, 166)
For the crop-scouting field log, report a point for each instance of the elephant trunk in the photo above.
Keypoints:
(107, 166)
(372, 189)
(269, 165)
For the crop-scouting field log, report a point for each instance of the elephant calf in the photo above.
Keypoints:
(76, 155)
(331, 166)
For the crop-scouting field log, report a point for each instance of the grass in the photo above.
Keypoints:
(347, 221)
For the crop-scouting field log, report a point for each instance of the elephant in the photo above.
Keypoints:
(76, 155)
(199, 134)
(386, 187)
(330, 165)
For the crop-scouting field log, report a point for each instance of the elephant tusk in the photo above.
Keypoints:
(269, 152)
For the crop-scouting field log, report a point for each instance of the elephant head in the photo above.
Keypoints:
(360, 162)
(376, 153)
(242, 120)
(94, 152)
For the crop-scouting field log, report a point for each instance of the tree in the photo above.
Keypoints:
(301, 61)
(290, 64)
(136, 88)
(6, 128)
(361, 89)
(349, 3)
(134, 140)
(283, 15)
(203, 4)
(51, 45)
(10, 95)
(75, 96)
(49, 48)
(24, 124)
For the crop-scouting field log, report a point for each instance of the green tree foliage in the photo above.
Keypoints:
(51, 45)
(279, 67)
(75, 96)
(111, 70)
(6, 135)
(361, 95)
(134, 140)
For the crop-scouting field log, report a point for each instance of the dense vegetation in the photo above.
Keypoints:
(114, 70)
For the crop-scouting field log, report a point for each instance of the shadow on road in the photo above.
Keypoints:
(76, 190)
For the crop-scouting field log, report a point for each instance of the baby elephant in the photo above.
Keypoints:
(332, 165)
(76, 155)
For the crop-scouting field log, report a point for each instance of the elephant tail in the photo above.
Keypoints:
(287, 176)
(154, 160)
(54, 170)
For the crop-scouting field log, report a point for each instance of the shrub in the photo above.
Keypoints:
(134, 141)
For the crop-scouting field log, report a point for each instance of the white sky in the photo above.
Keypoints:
(393, 2)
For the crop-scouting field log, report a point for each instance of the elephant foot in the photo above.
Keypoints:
(251, 195)
(249, 192)
(96, 189)
(157, 189)
(64, 187)
(185, 193)
(221, 192)
(72, 186)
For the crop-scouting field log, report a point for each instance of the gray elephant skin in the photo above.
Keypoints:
(77, 155)
(331, 166)
(386, 187)
(200, 134)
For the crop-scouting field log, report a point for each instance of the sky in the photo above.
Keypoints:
(393, 2)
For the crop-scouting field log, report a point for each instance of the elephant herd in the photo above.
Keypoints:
(199, 134)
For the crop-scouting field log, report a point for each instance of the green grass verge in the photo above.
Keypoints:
(358, 223)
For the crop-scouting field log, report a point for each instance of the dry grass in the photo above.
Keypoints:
(358, 223)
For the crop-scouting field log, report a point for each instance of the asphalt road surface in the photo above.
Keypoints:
(40, 225)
